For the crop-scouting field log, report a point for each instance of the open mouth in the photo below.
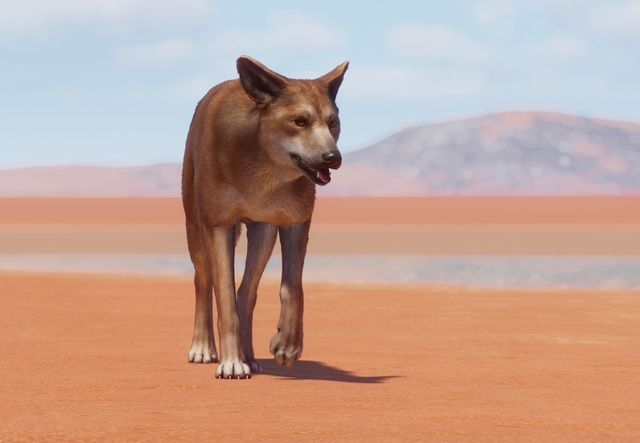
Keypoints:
(320, 176)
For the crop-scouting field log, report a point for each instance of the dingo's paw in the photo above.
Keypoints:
(233, 368)
(202, 351)
(286, 348)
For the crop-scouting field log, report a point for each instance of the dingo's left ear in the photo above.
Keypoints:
(259, 82)
(334, 78)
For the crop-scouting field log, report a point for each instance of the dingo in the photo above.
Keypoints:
(256, 148)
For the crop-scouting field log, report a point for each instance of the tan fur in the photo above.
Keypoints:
(255, 150)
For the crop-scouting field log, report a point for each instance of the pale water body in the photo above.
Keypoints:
(568, 272)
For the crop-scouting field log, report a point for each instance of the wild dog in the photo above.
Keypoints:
(257, 147)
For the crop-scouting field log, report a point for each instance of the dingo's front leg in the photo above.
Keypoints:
(286, 344)
(203, 346)
(221, 242)
(261, 238)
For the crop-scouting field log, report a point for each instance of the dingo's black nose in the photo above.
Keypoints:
(333, 159)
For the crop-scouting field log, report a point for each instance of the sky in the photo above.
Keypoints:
(115, 82)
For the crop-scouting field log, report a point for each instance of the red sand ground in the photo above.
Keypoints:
(103, 358)
(480, 225)
(435, 210)
(346, 239)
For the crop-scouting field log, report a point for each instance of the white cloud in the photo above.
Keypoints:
(566, 46)
(39, 15)
(286, 31)
(489, 12)
(435, 42)
(616, 17)
(396, 82)
(167, 50)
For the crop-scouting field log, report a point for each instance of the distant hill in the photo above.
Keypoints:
(92, 181)
(522, 153)
(511, 153)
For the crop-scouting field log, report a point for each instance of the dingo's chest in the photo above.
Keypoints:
(278, 208)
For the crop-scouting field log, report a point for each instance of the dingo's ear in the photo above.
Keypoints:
(258, 81)
(334, 78)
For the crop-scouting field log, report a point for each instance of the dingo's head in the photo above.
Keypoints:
(299, 123)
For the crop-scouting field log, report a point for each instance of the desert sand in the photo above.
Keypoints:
(343, 210)
(465, 225)
(485, 239)
(103, 358)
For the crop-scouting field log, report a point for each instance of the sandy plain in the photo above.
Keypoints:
(466, 225)
(103, 358)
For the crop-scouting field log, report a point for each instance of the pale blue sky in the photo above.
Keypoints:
(115, 82)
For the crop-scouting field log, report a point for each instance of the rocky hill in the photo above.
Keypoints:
(511, 153)
(521, 153)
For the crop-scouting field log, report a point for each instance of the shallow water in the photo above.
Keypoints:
(603, 272)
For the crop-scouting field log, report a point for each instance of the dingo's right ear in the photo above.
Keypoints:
(334, 78)
(258, 81)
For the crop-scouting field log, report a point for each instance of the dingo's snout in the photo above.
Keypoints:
(332, 159)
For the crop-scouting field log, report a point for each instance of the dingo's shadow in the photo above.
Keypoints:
(316, 370)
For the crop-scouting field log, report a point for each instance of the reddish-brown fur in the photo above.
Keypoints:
(255, 150)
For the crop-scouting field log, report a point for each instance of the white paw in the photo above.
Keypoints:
(202, 353)
(233, 368)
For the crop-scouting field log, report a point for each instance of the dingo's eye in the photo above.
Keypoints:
(301, 122)
(333, 123)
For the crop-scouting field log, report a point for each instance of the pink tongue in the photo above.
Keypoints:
(324, 175)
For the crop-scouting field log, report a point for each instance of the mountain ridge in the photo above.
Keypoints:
(505, 153)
